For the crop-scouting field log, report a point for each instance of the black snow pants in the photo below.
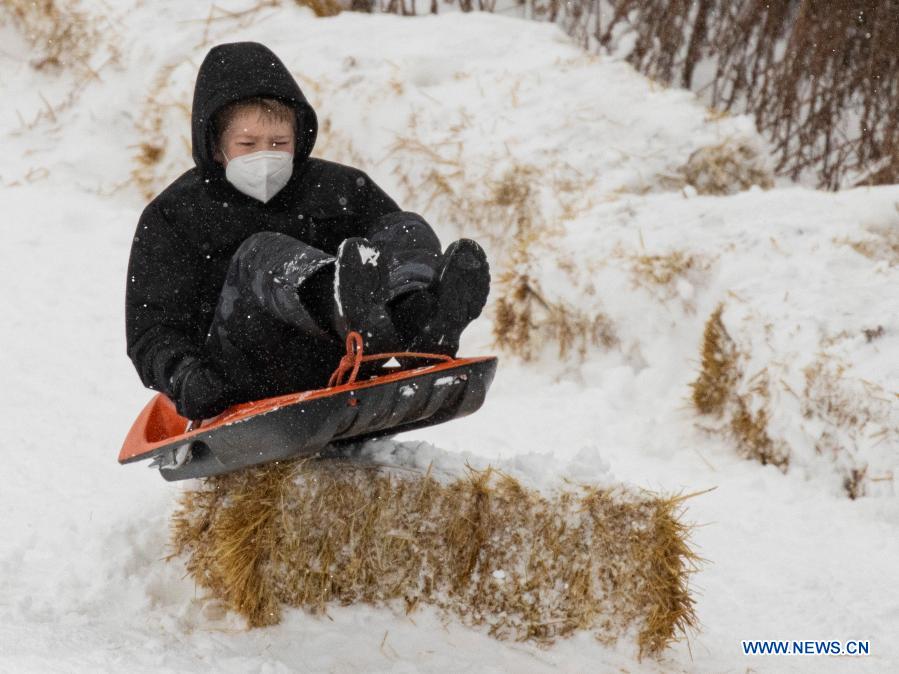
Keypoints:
(271, 332)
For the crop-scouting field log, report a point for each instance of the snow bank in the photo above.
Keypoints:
(444, 128)
(805, 280)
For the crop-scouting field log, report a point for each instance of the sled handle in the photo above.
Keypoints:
(354, 358)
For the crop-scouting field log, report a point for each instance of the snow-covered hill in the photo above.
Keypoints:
(499, 129)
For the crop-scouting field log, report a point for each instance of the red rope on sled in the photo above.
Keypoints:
(354, 358)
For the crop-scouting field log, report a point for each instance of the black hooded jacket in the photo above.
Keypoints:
(186, 235)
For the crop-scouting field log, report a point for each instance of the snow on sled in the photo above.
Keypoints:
(304, 423)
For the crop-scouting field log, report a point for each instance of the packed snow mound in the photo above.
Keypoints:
(806, 281)
(445, 126)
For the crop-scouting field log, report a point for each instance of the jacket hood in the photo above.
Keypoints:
(241, 70)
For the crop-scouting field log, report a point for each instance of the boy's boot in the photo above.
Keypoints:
(361, 291)
(461, 291)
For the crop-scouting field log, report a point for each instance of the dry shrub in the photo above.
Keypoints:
(484, 547)
(726, 168)
(715, 392)
(821, 78)
(409, 7)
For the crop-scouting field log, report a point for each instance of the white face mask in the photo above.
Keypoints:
(261, 174)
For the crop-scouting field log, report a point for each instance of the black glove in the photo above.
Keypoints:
(200, 389)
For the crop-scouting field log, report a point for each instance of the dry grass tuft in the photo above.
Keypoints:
(63, 39)
(60, 34)
(854, 482)
(150, 160)
(853, 411)
(148, 156)
(718, 374)
(501, 209)
(515, 189)
(714, 392)
(883, 246)
(525, 321)
(321, 7)
(751, 431)
(845, 416)
(873, 333)
(664, 270)
(726, 168)
(483, 547)
(660, 274)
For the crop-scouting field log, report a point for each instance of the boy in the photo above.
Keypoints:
(248, 271)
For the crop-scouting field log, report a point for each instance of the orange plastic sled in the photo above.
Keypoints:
(306, 422)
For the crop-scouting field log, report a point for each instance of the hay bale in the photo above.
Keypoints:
(482, 547)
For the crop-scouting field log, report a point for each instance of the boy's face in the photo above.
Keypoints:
(248, 131)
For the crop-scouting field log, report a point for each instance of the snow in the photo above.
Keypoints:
(369, 255)
(84, 585)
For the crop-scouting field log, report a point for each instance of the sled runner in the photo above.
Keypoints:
(304, 423)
